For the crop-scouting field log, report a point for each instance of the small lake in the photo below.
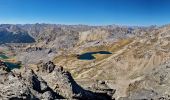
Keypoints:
(12, 65)
(9, 64)
(2, 56)
(89, 55)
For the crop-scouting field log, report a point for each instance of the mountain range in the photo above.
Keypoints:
(134, 61)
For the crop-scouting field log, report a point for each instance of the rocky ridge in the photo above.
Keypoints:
(30, 84)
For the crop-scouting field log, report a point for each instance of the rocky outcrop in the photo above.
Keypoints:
(49, 82)
(63, 83)
(27, 86)
(101, 87)
(46, 67)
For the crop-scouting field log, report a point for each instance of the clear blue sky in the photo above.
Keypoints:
(93, 12)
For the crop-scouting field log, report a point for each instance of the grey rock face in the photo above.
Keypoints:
(27, 86)
(47, 67)
(14, 87)
(48, 83)
(62, 83)
(47, 96)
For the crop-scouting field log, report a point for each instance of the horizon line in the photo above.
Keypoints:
(48, 23)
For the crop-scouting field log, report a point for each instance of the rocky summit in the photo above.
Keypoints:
(50, 61)
(49, 82)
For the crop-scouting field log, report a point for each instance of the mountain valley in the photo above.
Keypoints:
(85, 62)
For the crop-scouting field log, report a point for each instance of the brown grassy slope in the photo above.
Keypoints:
(131, 60)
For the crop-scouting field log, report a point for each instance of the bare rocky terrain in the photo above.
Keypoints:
(85, 62)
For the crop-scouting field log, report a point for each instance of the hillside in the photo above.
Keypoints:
(133, 61)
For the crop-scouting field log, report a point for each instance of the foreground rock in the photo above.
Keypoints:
(48, 82)
(62, 82)
(27, 86)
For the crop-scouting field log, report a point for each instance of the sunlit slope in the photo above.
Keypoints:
(130, 59)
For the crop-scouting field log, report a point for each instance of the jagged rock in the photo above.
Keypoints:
(62, 82)
(56, 83)
(102, 88)
(28, 86)
(46, 67)
(30, 49)
(13, 87)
